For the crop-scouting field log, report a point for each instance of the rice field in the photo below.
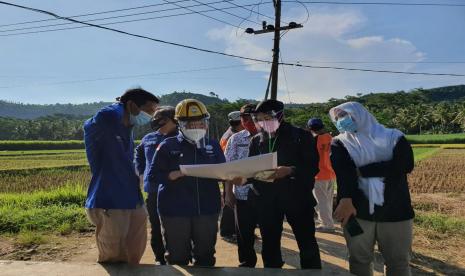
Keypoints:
(444, 172)
(455, 138)
(20, 161)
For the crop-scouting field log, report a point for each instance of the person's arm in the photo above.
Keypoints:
(94, 131)
(344, 167)
(307, 168)
(402, 162)
(160, 167)
(230, 152)
(140, 159)
(347, 181)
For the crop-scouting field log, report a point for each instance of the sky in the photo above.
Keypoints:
(90, 65)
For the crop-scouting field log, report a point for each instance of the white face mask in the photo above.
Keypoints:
(195, 134)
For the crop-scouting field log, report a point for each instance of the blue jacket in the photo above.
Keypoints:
(144, 157)
(187, 196)
(110, 152)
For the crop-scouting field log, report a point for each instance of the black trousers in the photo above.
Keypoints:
(247, 222)
(157, 239)
(275, 203)
(227, 225)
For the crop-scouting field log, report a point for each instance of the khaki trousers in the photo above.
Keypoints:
(121, 234)
(394, 242)
(324, 192)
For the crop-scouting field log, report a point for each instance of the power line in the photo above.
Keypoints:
(202, 14)
(384, 62)
(111, 23)
(373, 70)
(95, 13)
(256, 12)
(226, 12)
(381, 3)
(134, 76)
(127, 15)
(225, 54)
(285, 79)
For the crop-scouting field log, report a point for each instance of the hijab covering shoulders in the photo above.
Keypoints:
(370, 144)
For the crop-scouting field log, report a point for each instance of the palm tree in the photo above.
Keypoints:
(421, 116)
(460, 116)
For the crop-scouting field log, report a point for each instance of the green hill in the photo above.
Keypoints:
(373, 100)
(33, 111)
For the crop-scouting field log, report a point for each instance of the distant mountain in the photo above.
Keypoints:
(400, 98)
(446, 93)
(33, 111)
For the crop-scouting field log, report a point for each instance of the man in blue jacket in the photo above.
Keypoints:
(114, 201)
(164, 126)
(188, 206)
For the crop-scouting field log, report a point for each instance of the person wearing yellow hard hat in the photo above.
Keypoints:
(188, 206)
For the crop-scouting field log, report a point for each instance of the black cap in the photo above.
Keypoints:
(269, 106)
(315, 124)
(248, 109)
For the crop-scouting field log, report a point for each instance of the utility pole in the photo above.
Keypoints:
(277, 36)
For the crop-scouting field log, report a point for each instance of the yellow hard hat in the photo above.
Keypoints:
(191, 110)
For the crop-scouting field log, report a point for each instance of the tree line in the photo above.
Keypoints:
(433, 111)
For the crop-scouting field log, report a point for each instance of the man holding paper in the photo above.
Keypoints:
(188, 206)
(286, 191)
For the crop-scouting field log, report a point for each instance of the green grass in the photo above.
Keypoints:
(32, 180)
(41, 145)
(41, 160)
(440, 223)
(58, 211)
(28, 238)
(420, 153)
(456, 138)
(37, 152)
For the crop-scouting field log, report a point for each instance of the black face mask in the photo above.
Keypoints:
(158, 123)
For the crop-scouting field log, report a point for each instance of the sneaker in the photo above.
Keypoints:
(325, 229)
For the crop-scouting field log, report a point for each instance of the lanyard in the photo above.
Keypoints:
(272, 146)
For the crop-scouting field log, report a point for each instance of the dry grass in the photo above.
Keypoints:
(442, 172)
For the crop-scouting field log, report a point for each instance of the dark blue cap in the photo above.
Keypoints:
(315, 124)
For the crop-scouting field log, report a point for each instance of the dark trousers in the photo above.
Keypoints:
(157, 241)
(190, 237)
(247, 222)
(227, 225)
(273, 205)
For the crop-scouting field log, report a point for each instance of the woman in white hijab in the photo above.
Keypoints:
(371, 164)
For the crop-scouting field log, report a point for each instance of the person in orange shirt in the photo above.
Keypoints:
(325, 180)
(234, 119)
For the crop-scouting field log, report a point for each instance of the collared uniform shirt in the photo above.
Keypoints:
(238, 148)
(110, 152)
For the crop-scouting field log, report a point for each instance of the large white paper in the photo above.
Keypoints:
(246, 167)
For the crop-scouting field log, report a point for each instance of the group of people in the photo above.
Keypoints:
(369, 162)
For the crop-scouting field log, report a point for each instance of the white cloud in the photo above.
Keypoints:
(326, 38)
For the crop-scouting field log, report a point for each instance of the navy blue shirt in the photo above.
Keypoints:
(186, 196)
(110, 152)
(144, 157)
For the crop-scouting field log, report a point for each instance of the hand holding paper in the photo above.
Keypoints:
(245, 168)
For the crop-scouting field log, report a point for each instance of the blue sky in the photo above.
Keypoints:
(68, 66)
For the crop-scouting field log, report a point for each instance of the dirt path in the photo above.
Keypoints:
(332, 248)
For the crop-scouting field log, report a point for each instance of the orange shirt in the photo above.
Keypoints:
(324, 148)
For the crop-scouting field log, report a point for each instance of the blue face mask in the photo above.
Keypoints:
(141, 119)
(346, 124)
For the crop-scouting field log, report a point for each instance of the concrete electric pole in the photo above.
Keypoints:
(277, 36)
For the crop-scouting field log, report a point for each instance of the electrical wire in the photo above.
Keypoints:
(381, 3)
(225, 54)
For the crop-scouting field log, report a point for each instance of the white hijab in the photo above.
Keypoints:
(371, 143)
